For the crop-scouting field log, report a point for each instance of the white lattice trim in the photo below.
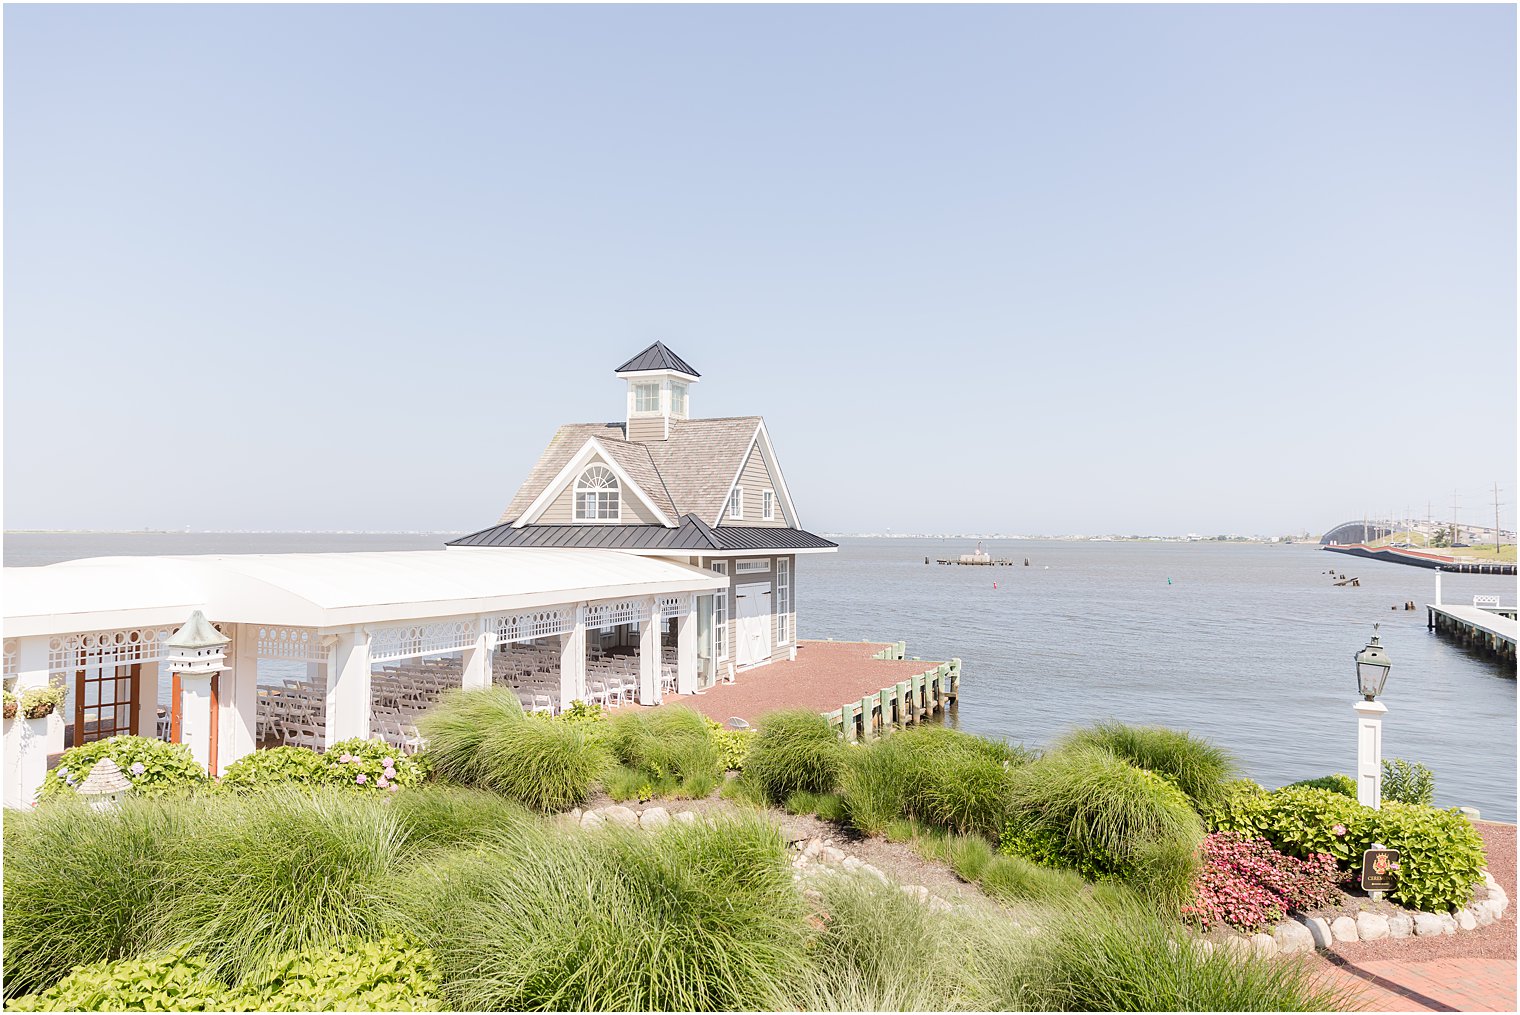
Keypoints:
(67, 653)
(10, 657)
(413, 640)
(298, 643)
(627, 611)
(514, 627)
(671, 606)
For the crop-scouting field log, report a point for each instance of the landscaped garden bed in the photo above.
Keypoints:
(521, 861)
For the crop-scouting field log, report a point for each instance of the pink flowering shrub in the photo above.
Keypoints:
(1245, 883)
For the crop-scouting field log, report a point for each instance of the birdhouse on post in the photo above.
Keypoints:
(105, 785)
(196, 654)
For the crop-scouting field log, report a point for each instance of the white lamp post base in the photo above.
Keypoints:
(1369, 752)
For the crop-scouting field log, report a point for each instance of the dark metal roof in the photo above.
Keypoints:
(692, 535)
(657, 357)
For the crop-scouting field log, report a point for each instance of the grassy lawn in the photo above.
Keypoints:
(1486, 551)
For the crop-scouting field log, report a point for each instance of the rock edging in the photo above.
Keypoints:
(1311, 933)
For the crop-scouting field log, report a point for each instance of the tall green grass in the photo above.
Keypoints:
(671, 746)
(937, 775)
(275, 872)
(81, 886)
(481, 738)
(441, 817)
(1198, 768)
(795, 750)
(1106, 817)
(695, 917)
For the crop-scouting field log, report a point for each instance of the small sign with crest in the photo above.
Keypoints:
(1380, 870)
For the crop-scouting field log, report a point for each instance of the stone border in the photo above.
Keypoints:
(1310, 933)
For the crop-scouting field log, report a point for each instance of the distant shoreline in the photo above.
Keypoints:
(233, 532)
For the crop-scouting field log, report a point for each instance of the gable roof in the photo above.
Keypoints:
(657, 357)
(692, 534)
(690, 472)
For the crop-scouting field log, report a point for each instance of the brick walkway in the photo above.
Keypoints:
(824, 676)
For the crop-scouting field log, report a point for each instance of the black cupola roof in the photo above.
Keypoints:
(657, 357)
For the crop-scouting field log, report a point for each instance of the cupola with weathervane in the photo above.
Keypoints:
(659, 390)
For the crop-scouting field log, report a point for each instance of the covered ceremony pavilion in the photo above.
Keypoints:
(364, 641)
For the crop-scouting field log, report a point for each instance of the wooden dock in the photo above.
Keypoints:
(1487, 629)
(879, 686)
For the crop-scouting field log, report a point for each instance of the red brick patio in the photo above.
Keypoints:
(824, 676)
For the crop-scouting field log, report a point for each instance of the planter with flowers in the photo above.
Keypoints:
(11, 707)
(41, 702)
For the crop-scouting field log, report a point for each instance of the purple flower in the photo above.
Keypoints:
(361, 778)
(390, 762)
(382, 783)
(138, 768)
(391, 787)
(1338, 830)
(346, 758)
(63, 773)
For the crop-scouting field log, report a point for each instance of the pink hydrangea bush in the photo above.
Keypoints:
(1245, 883)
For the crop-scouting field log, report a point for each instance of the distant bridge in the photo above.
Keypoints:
(1359, 531)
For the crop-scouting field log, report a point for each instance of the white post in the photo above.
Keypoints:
(649, 654)
(1369, 753)
(147, 703)
(238, 698)
(477, 660)
(28, 742)
(1438, 586)
(686, 648)
(348, 687)
(572, 661)
(195, 719)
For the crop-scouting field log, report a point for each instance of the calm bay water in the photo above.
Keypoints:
(1249, 645)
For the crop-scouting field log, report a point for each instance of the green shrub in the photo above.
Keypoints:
(275, 872)
(795, 750)
(1301, 822)
(83, 886)
(1197, 767)
(699, 917)
(671, 744)
(166, 768)
(481, 738)
(1342, 784)
(385, 975)
(1238, 808)
(1408, 782)
(1441, 855)
(382, 766)
(389, 974)
(175, 981)
(733, 745)
(1087, 808)
(937, 775)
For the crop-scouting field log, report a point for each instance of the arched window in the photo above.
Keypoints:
(596, 495)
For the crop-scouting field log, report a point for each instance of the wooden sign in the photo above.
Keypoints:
(1380, 870)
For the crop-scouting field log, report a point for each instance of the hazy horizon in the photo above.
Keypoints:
(1073, 269)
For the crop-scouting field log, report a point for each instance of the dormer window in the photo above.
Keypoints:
(646, 398)
(597, 496)
(736, 503)
(677, 398)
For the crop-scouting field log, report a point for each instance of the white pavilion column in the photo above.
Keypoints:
(147, 701)
(686, 648)
(1369, 753)
(238, 698)
(28, 742)
(649, 654)
(348, 686)
(572, 661)
(477, 660)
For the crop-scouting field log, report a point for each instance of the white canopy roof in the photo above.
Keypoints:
(328, 589)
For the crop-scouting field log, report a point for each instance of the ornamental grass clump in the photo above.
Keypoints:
(697, 917)
(670, 747)
(83, 886)
(442, 817)
(1086, 808)
(795, 750)
(1198, 768)
(932, 774)
(1245, 883)
(274, 872)
(481, 738)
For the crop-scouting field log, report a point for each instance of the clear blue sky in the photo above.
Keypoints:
(1031, 269)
